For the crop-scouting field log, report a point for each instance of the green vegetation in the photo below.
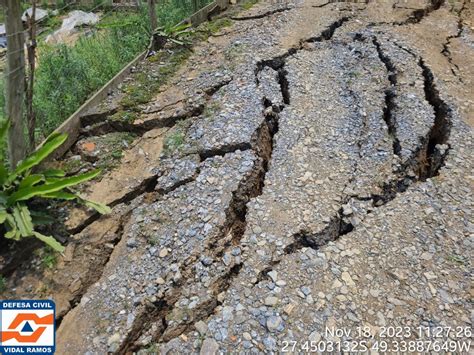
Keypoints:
(48, 257)
(145, 86)
(249, 4)
(206, 29)
(114, 144)
(173, 142)
(68, 75)
(20, 186)
(456, 259)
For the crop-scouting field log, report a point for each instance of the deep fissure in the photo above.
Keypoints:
(266, 14)
(446, 51)
(419, 14)
(390, 96)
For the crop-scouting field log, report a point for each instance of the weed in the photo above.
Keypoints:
(211, 109)
(115, 144)
(173, 142)
(48, 257)
(152, 349)
(234, 52)
(456, 259)
(249, 4)
(144, 87)
(209, 28)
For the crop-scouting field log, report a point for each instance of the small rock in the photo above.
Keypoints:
(113, 339)
(247, 336)
(271, 301)
(346, 277)
(315, 337)
(347, 210)
(273, 323)
(273, 275)
(305, 289)
(163, 253)
(132, 243)
(209, 347)
(201, 327)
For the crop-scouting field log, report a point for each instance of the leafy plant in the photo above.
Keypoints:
(20, 185)
(48, 257)
(179, 34)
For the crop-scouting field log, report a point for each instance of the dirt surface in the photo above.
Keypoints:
(314, 173)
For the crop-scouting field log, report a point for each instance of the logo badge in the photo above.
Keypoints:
(27, 327)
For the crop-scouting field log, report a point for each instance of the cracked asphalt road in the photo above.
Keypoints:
(325, 180)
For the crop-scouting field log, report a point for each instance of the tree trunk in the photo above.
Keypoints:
(15, 81)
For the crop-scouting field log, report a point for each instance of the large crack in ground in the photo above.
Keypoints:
(96, 272)
(419, 14)
(148, 185)
(416, 16)
(266, 14)
(252, 187)
(425, 163)
(446, 51)
(390, 94)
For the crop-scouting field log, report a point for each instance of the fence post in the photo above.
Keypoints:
(157, 40)
(31, 48)
(15, 81)
(152, 11)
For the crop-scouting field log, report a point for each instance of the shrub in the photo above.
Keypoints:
(21, 185)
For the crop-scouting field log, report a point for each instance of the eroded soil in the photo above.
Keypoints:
(308, 167)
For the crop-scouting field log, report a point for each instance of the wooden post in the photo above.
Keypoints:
(157, 41)
(30, 114)
(15, 81)
(152, 12)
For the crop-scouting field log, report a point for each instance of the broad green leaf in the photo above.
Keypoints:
(51, 180)
(54, 173)
(3, 170)
(46, 189)
(4, 126)
(13, 232)
(53, 142)
(61, 195)
(99, 207)
(3, 198)
(176, 41)
(31, 181)
(53, 243)
(23, 220)
(181, 27)
(3, 215)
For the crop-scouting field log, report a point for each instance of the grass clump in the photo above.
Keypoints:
(67, 76)
(173, 142)
(145, 86)
(249, 4)
(48, 257)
